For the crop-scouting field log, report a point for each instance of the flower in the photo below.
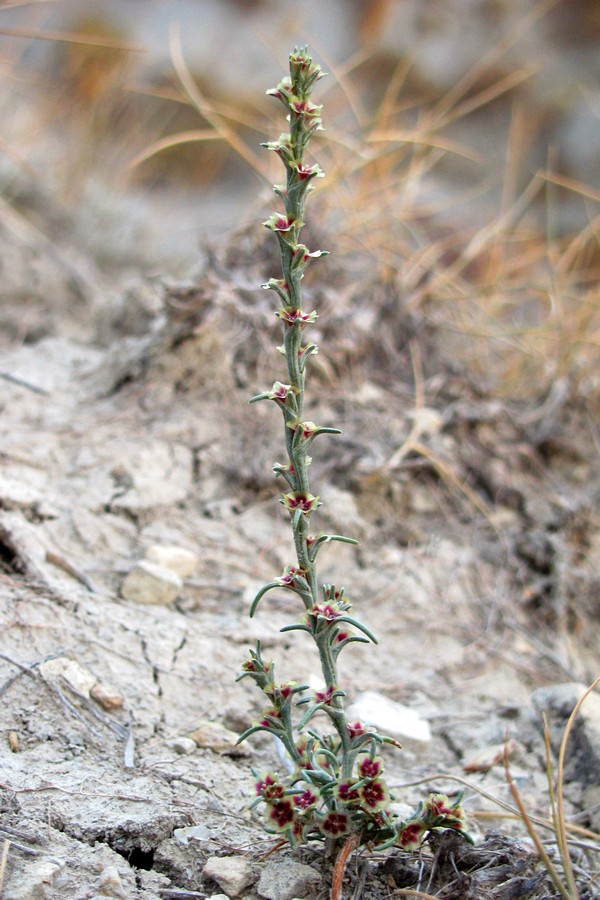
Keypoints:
(300, 500)
(280, 815)
(375, 795)
(346, 792)
(410, 836)
(280, 223)
(334, 824)
(370, 767)
(306, 799)
(325, 696)
(269, 788)
(356, 729)
(305, 172)
(291, 315)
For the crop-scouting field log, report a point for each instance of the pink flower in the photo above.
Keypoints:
(325, 696)
(356, 729)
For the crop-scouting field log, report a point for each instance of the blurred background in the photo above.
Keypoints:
(461, 145)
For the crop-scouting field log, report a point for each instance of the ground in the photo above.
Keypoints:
(477, 569)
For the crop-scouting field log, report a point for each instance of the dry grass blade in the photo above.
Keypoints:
(561, 831)
(3, 860)
(205, 109)
(173, 140)
(550, 867)
(411, 892)
(90, 40)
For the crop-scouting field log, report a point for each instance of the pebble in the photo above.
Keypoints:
(183, 745)
(107, 696)
(149, 583)
(390, 718)
(111, 884)
(232, 873)
(214, 736)
(287, 880)
(191, 833)
(177, 559)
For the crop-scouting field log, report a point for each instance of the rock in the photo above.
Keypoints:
(183, 745)
(150, 583)
(390, 718)
(582, 762)
(182, 562)
(78, 677)
(191, 833)
(107, 696)
(287, 880)
(232, 873)
(214, 736)
(111, 884)
(33, 881)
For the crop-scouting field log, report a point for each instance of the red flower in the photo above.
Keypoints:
(308, 798)
(375, 795)
(370, 768)
(346, 792)
(280, 815)
(334, 824)
(410, 836)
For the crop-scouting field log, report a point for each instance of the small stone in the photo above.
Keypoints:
(182, 562)
(191, 833)
(107, 696)
(149, 583)
(78, 677)
(214, 736)
(111, 884)
(390, 718)
(183, 745)
(232, 873)
(287, 880)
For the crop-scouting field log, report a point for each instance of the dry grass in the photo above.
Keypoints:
(519, 304)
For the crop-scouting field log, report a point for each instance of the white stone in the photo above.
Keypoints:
(182, 562)
(79, 678)
(150, 583)
(191, 833)
(183, 745)
(389, 717)
(232, 873)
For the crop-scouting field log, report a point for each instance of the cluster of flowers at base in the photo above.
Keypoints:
(361, 805)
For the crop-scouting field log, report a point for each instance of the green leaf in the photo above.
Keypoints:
(261, 593)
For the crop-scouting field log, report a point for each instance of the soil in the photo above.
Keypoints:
(126, 425)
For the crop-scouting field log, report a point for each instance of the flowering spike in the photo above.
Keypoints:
(335, 786)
